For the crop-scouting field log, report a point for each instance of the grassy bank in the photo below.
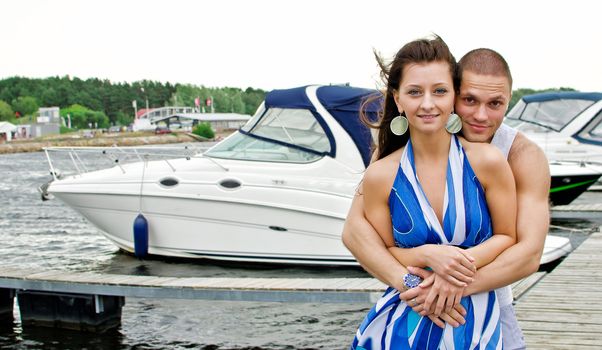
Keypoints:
(102, 140)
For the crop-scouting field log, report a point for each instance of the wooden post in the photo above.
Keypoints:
(7, 301)
(84, 312)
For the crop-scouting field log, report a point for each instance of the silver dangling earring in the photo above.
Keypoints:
(399, 125)
(454, 124)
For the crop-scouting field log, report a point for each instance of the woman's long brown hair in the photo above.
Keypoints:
(417, 51)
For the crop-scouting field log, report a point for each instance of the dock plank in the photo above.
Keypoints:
(557, 310)
(577, 211)
(519, 288)
(563, 310)
(298, 289)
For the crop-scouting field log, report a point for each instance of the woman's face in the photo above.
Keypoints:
(426, 94)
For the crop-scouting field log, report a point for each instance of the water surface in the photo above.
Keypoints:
(49, 235)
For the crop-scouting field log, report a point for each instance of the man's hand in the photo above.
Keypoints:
(442, 295)
(455, 318)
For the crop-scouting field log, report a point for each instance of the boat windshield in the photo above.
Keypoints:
(593, 132)
(552, 114)
(276, 135)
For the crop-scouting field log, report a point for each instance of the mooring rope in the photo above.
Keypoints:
(144, 163)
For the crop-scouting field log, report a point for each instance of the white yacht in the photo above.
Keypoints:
(568, 127)
(276, 191)
(554, 118)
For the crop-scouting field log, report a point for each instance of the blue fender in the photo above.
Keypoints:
(140, 236)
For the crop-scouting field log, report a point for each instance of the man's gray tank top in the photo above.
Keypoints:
(503, 139)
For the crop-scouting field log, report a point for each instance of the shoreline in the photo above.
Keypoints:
(137, 139)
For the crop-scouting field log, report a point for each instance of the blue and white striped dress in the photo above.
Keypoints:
(391, 324)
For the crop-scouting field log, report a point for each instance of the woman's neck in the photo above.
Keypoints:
(430, 146)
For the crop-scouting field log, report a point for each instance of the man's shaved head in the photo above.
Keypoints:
(484, 62)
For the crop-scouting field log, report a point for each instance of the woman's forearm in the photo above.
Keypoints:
(410, 256)
(487, 251)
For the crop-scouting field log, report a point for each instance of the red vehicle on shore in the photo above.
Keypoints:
(162, 130)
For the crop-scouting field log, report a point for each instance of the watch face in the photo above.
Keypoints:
(411, 281)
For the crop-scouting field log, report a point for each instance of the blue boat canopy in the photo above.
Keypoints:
(567, 95)
(342, 102)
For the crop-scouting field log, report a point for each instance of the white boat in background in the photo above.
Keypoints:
(568, 127)
(555, 247)
(276, 191)
(557, 117)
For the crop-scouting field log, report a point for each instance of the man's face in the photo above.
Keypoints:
(482, 104)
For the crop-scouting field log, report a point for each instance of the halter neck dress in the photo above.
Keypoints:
(391, 324)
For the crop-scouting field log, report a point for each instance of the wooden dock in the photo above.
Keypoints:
(564, 309)
(577, 211)
(303, 290)
(329, 290)
(557, 310)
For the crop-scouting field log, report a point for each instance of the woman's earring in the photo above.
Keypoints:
(454, 124)
(399, 125)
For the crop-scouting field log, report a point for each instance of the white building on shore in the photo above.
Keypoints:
(48, 122)
(184, 117)
(6, 131)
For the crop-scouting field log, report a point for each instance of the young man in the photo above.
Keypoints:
(485, 91)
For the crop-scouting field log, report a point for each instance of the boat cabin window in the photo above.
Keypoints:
(593, 131)
(553, 114)
(277, 135)
(517, 110)
(526, 126)
(297, 127)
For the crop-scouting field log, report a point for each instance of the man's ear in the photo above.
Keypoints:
(508, 105)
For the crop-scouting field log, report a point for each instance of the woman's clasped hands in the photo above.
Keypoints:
(450, 271)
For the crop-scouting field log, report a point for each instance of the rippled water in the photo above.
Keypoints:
(49, 235)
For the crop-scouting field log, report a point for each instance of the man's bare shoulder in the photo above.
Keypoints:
(528, 163)
(525, 152)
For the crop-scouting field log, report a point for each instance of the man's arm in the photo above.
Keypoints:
(368, 248)
(532, 176)
(366, 245)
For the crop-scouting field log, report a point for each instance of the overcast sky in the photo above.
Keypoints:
(281, 44)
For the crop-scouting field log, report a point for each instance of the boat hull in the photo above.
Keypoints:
(238, 233)
(213, 229)
(565, 189)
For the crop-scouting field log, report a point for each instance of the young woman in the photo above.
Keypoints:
(430, 187)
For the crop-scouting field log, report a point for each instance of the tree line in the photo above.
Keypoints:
(106, 103)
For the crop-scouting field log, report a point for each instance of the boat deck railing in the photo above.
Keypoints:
(589, 161)
(65, 161)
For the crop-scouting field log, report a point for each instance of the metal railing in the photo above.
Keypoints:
(80, 160)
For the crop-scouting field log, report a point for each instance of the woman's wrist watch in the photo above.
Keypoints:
(411, 281)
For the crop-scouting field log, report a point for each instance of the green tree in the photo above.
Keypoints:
(225, 100)
(114, 99)
(50, 98)
(252, 98)
(204, 129)
(82, 117)
(65, 130)
(6, 112)
(25, 105)
(123, 119)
